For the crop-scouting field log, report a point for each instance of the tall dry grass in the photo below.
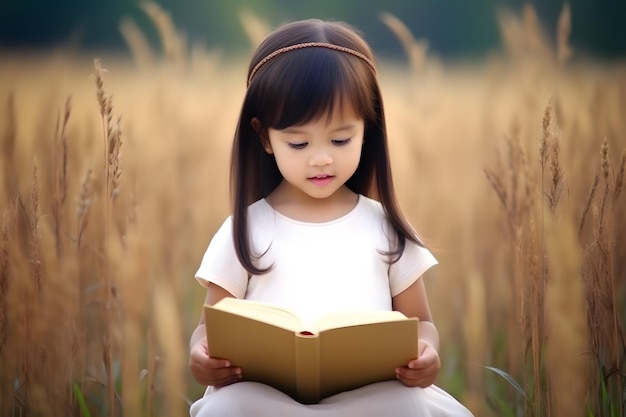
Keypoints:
(114, 177)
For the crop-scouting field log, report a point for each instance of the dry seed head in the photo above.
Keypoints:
(100, 87)
(496, 182)
(517, 175)
(588, 204)
(564, 28)
(108, 110)
(530, 19)
(545, 133)
(84, 199)
(63, 146)
(535, 39)
(137, 43)
(173, 42)
(510, 32)
(68, 110)
(115, 144)
(556, 187)
(415, 50)
(604, 159)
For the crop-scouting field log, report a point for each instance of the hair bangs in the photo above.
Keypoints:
(312, 84)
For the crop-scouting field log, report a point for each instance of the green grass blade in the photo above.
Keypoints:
(508, 378)
(84, 410)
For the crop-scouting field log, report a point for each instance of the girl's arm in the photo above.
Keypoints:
(214, 293)
(207, 370)
(423, 371)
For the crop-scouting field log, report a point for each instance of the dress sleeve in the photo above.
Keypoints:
(413, 263)
(220, 265)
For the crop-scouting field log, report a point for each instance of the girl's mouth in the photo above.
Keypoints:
(321, 180)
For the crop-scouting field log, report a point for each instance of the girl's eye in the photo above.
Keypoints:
(297, 145)
(341, 142)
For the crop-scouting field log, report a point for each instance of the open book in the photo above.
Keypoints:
(339, 352)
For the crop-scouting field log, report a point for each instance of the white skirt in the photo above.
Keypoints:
(389, 398)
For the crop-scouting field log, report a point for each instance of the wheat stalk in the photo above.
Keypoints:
(60, 170)
(5, 272)
(414, 49)
(556, 184)
(564, 28)
(605, 332)
(537, 272)
(152, 362)
(172, 41)
(520, 176)
(496, 183)
(605, 171)
(83, 208)
(111, 154)
(6, 387)
(619, 179)
(255, 28)
(137, 43)
(535, 38)
(34, 230)
(545, 135)
(513, 187)
(614, 339)
(104, 102)
(114, 157)
(33, 294)
(566, 322)
(524, 38)
(8, 144)
(588, 203)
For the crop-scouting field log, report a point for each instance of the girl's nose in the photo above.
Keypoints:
(320, 158)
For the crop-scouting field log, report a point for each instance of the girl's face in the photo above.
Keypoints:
(317, 158)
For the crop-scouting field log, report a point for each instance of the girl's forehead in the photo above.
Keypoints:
(301, 100)
(341, 112)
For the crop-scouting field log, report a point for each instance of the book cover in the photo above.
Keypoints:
(309, 362)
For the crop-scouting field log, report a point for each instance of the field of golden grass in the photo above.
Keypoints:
(114, 177)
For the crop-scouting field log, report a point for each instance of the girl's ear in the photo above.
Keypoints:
(262, 132)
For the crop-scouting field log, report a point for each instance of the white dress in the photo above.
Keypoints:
(319, 268)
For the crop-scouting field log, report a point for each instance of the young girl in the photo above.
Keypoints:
(316, 225)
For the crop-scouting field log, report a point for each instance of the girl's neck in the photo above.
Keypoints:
(302, 207)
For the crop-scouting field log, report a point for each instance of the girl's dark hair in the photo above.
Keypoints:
(294, 88)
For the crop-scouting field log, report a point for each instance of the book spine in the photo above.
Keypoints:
(307, 368)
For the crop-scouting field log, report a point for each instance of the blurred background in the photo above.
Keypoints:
(454, 29)
(507, 137)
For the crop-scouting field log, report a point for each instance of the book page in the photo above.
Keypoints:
(354, 318)
(265, 312)
(354, 356)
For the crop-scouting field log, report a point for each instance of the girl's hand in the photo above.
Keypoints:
(211, 371)
(423, 371)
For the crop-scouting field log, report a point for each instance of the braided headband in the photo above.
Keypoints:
(309, 45)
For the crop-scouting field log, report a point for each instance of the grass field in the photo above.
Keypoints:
(114, 177)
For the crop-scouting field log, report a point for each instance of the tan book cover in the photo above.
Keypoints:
(312, 361)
